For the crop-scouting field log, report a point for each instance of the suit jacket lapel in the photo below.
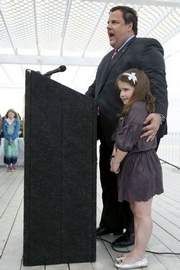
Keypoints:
(112, 62)
(104, 71)
(120, 53)
(107, 68)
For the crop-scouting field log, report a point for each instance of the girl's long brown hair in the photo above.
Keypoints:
(13, 111)
(142, 89)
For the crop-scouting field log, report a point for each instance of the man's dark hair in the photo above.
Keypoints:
(129, 16)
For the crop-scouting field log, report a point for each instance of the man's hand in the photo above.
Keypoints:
(152, 123)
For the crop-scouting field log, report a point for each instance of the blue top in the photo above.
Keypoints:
(11, 131)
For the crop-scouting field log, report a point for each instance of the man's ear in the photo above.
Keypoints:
(130, 26)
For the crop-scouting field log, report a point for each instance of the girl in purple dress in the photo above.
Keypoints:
(135, 161)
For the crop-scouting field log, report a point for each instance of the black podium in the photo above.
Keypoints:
(60, 174)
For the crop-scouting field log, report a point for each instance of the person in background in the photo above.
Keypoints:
(128, 52)
(135, 162)
(20, 124)
(11, 135)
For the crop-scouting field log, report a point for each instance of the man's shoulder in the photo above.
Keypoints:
(147, 41)
(148, 44)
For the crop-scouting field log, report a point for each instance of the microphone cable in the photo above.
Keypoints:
(126, 251)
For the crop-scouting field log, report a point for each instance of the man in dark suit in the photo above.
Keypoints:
(129, 52)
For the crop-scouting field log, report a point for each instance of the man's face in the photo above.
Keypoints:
(118, 31)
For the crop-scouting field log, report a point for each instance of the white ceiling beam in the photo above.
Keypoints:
(158, 22)
(35, 26)
(66, 18)
(174, 32)
(94, 30)
(8, 33)
(142, 2)
(49, 60)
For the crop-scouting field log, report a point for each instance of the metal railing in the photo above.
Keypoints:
(169, 149)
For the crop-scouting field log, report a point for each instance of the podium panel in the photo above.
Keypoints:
(60, 174)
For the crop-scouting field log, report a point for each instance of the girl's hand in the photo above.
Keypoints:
(114, 165)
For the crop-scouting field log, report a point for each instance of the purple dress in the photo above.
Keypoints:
(140, 176)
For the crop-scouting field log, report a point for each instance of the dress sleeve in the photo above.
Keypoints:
(5, 130)
(128, 134)
(16, 129)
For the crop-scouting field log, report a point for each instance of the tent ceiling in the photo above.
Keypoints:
(71, 32)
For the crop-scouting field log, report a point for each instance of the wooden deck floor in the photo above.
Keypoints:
(165, 238)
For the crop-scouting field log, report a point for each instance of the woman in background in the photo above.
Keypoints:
(11, 134)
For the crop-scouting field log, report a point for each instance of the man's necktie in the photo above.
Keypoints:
(114, 53)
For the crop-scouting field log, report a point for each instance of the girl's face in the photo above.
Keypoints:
(126, 91)
(11, 115)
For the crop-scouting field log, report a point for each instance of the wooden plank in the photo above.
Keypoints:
(164, 212)
(166, 239)
(104, 260)
(166, 208)
(168, 261)
(12, 254)
(170, 202)
(80, 266)
(155, 261)
(10, 191)
(172, 196)
(166, 224)
(6, 182)
(56, 267)
(46, 267)
(9, 217)
(3, 176)
(39, 267)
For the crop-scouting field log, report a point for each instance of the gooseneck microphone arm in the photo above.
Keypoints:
(59, 69)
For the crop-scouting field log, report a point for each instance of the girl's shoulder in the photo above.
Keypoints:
(5, 121)
(138, 105)
(138, 111)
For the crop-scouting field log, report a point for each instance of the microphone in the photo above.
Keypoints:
(59, 69)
